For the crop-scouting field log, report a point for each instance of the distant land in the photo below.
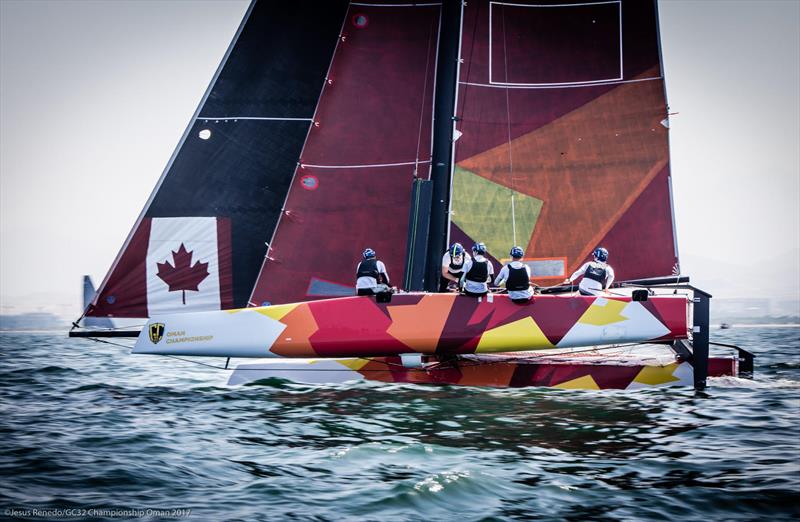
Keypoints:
(32, 321)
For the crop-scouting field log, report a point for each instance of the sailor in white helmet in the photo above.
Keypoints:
(371, 276)
(452, 266)
(517, 277)
(597, 275)
(478, 271)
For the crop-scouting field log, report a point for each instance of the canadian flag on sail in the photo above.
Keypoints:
(170, 265)
(183, 265)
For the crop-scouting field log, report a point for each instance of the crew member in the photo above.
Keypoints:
(452, 266)
(517, 277)
(371, 276)
(597, 275)
(478, 271)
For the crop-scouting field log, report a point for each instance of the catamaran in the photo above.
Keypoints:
(404, 127)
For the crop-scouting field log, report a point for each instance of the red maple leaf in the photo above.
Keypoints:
(183, 276)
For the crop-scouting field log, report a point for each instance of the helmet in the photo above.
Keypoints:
(368, 253)
(456, 249)
(601, 254)
(479, 248)
(517, 252)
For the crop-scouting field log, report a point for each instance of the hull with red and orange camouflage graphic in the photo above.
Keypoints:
(416, 323)
(606, 368)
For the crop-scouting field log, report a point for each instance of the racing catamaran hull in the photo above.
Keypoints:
(416, 323)
(651, 366)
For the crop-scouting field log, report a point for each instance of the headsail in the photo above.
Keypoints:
(200, 240)
(561, 145)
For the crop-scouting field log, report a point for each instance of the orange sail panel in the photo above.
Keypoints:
(370, 139)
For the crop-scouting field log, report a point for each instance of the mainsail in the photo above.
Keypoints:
(370, 141)
(562, 137)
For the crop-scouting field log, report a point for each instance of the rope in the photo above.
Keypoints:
(508, 122)
(424, 92)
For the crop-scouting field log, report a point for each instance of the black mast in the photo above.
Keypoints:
(441, 164)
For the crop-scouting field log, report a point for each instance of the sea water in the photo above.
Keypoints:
(88, 430)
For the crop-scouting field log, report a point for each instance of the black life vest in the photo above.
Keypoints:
(368, 268)
(517, 279)
(454, 268)
(595, 273)
(479, 272)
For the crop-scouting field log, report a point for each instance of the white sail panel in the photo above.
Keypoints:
(183, 265)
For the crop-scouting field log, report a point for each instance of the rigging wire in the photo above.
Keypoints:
(424, 93)
(508, 121)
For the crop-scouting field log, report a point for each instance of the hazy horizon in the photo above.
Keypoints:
(94, 97)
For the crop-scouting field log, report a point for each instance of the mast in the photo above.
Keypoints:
(442, 157)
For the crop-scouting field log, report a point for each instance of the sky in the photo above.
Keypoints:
(95, 95)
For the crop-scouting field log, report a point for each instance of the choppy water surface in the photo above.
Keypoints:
(88, 426)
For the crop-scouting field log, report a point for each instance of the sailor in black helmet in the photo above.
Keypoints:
(478, 271)
(371, 275)
(517, 277)
(597, 275)
(452, 265)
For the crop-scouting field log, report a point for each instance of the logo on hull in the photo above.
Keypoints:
(156, 332)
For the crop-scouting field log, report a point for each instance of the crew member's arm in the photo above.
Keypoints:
(609, 277)
(382, 270)
(445, 265)
(467, 267)
(490, 271)
(579, 272)
(502, 276)
(447, 275)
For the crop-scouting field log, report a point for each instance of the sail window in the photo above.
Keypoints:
(360, 20)
(204, 134)
(587, 38)
(309, 182)
(547, 267)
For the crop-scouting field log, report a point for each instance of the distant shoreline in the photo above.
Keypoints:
(758, 325)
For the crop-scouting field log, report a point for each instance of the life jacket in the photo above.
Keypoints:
(517, 279)
(479, 272)
(595, 273)
(454, 268)
(369, 268)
